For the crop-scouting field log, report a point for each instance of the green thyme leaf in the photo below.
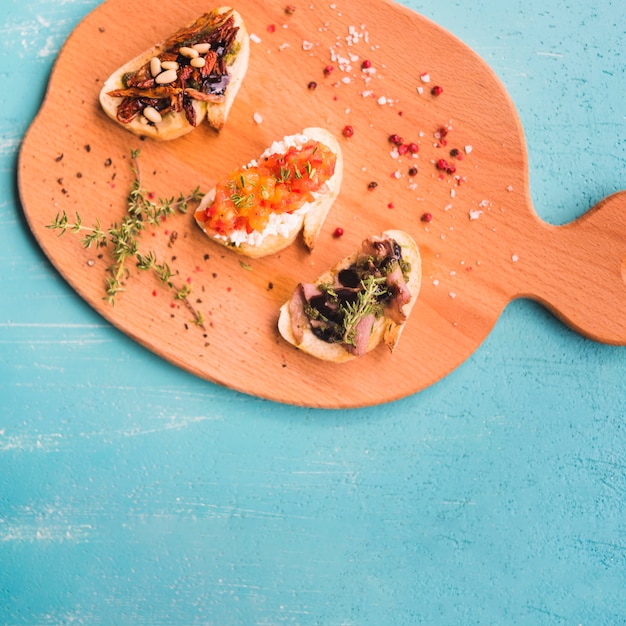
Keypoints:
(122, 238)
(367, 303)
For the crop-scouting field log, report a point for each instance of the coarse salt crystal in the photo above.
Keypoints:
(515, 258)
(474, 215)
(283, 46)
(435, 282)
(452, 294)
(257, 117)
(425, 77)
(468, 149)
(255, 38)
(307, 45)
(420, 90)
(382, 100)
(509, 188)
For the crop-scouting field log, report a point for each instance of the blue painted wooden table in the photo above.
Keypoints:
(133, 493)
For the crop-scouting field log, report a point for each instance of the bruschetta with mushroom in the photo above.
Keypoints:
(363, 301)
(260, 208)
(193, 75)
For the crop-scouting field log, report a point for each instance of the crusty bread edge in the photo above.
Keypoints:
(316, 215)
(384, 330)
(176, 125)
(311, 221)
(217, 113)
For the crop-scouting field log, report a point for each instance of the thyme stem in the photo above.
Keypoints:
(123, 238)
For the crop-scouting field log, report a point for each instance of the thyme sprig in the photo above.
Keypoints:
(123, 238)
(368, 302)
(95, 235)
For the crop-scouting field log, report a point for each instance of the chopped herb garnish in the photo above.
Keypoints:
(284, 175)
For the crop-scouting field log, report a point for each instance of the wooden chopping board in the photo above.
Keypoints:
(483, 247)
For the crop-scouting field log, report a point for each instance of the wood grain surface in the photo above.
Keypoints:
(483, 247)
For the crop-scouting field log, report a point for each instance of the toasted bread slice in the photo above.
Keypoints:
(295, 326)
(283, 228)
(163, 95)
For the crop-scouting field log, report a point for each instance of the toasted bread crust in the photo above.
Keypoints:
(310, 217)
(384, 330)
(174, 125)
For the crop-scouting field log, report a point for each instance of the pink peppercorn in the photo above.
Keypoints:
(328, 69)
(442, 164)
(312, 85)
(427, 217)
(338, 232)
(366, 64)
(436, 90)
(348, 131)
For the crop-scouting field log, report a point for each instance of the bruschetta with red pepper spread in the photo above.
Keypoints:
(260, 208)
(193, 75)
(363, 301)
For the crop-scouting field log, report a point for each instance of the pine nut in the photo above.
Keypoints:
(190, 53)
(197, 62)
(202, 48)
(166, 77)
(155, 66)
(152, 115)
(169, 65)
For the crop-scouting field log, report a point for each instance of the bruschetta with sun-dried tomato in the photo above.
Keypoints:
(260, 208)
(193, 75)
(363, 301)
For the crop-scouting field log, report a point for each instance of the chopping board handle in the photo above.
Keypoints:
(578, 270)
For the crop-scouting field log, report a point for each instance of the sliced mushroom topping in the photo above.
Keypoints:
(373, 285)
